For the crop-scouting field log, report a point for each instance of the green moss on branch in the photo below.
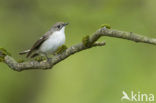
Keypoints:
(86, 41)
(40, 58)
(61, 49)
(106, 25)
(20, 60)
(3, 53)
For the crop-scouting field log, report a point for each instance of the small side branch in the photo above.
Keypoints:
(88, 42)
(126, 35)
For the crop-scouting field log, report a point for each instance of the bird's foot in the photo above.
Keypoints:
(49, 59)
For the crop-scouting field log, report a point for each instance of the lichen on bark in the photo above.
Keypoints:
(3, 53)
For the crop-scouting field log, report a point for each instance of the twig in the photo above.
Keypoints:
(89, 43)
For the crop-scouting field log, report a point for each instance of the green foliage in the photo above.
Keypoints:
(61, 49)
(106, 25)
(85, 41)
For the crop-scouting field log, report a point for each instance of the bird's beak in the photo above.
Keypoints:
(66, 24)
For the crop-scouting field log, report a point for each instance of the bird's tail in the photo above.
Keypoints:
(24, 52)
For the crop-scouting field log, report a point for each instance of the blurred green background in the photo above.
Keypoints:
(97, 75)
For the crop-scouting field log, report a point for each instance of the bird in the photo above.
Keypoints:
(49, 42)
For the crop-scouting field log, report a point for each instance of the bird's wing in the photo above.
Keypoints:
(38, 43)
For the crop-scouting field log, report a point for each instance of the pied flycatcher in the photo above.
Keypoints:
(49, 42)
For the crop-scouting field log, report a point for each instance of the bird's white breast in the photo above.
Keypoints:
(55, 40)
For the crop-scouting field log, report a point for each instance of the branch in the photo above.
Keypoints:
(87, 42)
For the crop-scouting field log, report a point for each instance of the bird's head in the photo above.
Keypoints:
(59, 26)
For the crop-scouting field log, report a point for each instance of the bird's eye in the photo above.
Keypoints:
(58, 26)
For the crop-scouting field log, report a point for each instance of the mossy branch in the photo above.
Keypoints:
(87, 42)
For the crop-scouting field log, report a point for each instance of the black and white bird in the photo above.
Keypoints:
(49, 42)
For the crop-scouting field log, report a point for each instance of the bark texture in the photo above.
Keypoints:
(87, 42)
